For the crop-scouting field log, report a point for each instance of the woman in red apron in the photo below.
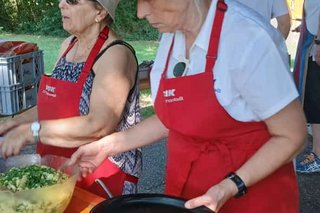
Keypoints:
(92, 92)
(229, 154)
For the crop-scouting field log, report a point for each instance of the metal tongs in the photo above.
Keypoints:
(105, 188)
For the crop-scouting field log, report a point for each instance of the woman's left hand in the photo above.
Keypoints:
(15, 140)
(215, 197)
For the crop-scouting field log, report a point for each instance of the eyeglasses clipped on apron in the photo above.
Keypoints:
(179, 69)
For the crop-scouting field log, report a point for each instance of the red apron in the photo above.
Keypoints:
(60, 99)
(205, 143)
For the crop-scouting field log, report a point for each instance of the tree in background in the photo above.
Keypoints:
(43, 17)
(6, 22)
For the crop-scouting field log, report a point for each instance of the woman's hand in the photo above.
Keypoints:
(215, 197)
(89, 157)
(15, 140)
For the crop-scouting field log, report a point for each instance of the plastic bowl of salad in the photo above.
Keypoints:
(36, 185)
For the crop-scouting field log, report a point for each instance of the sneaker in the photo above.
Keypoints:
(310, 164)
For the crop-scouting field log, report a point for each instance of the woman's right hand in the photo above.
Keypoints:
(89, 156)
(215, 197)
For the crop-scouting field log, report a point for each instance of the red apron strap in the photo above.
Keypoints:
(103, 36)
(215, 35)
(221, 8)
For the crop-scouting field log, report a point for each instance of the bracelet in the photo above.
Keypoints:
(242, 188)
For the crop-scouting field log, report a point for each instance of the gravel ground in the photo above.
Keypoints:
(309, 185)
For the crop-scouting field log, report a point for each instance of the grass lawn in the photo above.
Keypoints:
(145, 50)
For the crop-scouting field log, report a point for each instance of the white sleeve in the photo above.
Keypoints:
(267, 85)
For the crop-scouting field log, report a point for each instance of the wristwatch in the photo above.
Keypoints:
(242, 188)
(317, 40)
(35, 128)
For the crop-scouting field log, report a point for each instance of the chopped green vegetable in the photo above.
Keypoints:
(31, 177)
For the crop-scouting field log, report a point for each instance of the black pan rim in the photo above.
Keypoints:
(145, 198)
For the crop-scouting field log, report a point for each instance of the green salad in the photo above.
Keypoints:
(31, 177)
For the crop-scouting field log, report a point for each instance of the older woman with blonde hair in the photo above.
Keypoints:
(92, 92)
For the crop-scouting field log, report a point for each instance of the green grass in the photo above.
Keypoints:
(146, 50)
(145, 103)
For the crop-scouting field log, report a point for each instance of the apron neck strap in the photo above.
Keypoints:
(212, 54)
(103, 36)
(211, 57)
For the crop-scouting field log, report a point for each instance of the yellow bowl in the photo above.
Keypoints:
(51, 199)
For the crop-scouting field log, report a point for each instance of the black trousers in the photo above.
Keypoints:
(312, 93)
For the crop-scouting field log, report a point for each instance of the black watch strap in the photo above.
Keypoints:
(242, 188)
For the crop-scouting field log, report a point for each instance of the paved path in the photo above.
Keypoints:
(152, 180)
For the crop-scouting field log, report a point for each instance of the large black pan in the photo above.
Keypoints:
(146, 203)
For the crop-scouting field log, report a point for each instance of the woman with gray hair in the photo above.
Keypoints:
(92, 92)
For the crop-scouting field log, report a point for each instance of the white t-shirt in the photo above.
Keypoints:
(312, 8)
(252, 77)
(268, 8)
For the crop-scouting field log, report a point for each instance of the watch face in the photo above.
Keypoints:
(35, 126)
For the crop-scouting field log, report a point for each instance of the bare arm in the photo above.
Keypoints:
(147, 132)
(284, 25)
(115, 76)
(90, 156)
(288, 132)
(6, 124)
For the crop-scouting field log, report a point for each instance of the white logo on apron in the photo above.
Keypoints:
(50, 91)
(171, 93)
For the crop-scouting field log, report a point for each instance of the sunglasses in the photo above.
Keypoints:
(74, 2)
(179, 69)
